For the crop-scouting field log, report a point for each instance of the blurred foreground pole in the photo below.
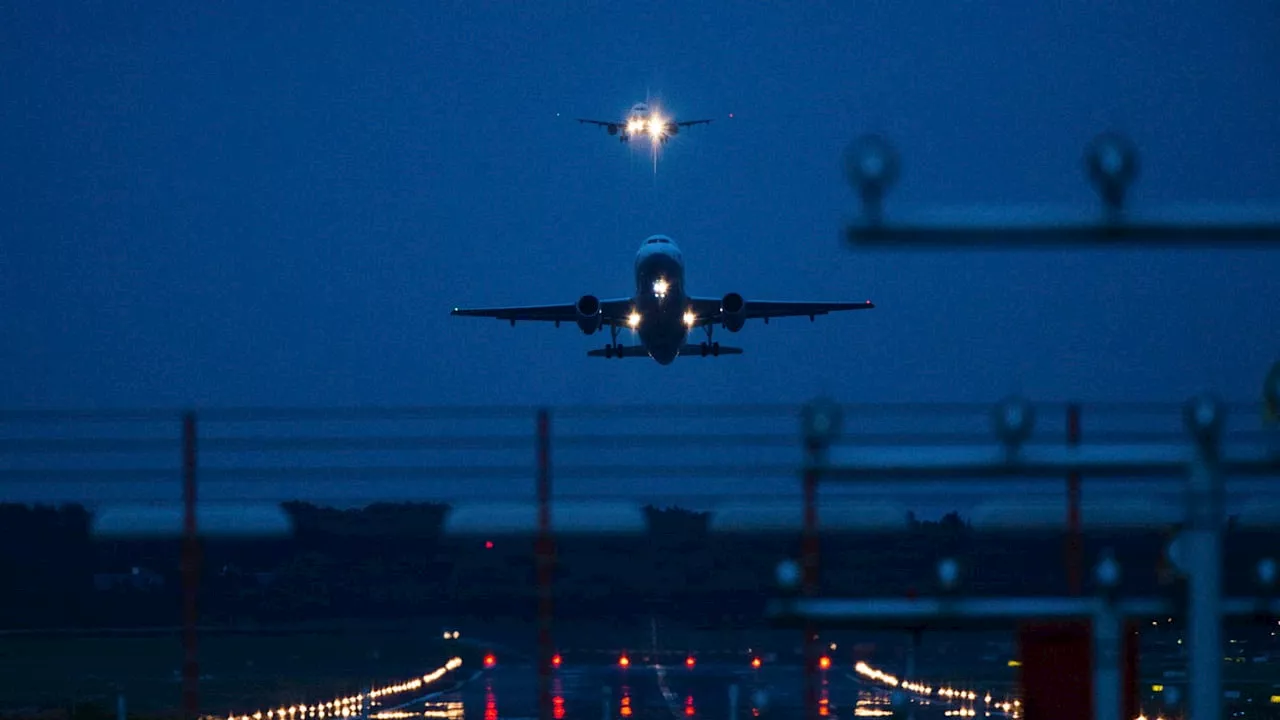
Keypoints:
(1205, 503)
(1075, 550)
(545, 558)
(190, 570)
(820, 424)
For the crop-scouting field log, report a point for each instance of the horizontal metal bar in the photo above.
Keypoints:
(519, 412)
(364, 473)
(1030, 227)
(212, 520)
(983, 612)
(346, 443)
(593, 517)
(788, 515)
(1106, 461)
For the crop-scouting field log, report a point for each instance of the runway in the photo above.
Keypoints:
(647, 693)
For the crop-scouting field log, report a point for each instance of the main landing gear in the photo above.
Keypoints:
(708, 347)
(613, 349)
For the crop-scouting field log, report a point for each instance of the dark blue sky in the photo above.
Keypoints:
(249, 204)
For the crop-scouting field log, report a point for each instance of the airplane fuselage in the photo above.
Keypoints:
(660, 299)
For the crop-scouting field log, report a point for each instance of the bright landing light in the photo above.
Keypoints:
(689, 318)
(657, 124)
(660, 287)
(635, 126)
(634, 320)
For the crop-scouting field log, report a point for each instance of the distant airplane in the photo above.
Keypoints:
(660, 312)
(640, 120)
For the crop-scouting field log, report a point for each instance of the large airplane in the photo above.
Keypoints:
(661, 313)
(642, 119)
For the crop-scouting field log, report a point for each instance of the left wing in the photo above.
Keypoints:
(708, 310)
(612, 312)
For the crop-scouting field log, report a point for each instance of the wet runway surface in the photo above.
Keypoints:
(645, 693)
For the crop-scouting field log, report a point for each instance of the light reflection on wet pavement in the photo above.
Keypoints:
(647, 693)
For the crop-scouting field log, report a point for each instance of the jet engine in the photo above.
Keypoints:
(589, 316)
(613, 129)
(734, 310)
(672, 129)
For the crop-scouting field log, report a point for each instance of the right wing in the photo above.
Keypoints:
(688, 123)
(613, 312)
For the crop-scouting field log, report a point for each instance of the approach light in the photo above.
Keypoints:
(624, 661)
(555, 660)
(689, 662)
(824, 662)
(755, 663)
(490, 660)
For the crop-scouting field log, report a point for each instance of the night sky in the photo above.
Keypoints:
(240, 203)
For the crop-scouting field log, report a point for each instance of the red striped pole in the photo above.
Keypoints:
(809, 552)
(190, 570)
(1075, 551)
(545, 558)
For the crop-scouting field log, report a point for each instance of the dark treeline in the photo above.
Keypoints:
(392, 560)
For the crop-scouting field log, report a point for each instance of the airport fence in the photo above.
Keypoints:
(223, 472)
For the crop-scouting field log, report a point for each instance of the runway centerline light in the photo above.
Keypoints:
(555, 660)
(690, 661)
(624, 661)
(824, 662)
(490, 660)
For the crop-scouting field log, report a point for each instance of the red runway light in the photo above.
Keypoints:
(488, 544)
(490, 660)
(624, 661)
(755, 663)
(690, 661)
(824, 662)
(555, 660)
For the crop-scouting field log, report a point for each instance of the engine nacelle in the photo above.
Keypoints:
(590, 317)
(613, 129)
(734, 310)
(672, 129)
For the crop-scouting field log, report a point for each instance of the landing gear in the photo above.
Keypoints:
(708, 346)
(613, 349)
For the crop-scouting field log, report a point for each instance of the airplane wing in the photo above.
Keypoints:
(708, 310)
(602, 123)
(687, 123)
(613, 312)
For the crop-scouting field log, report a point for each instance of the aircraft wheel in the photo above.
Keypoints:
(608, 350)
(715, 349)
(703, 347)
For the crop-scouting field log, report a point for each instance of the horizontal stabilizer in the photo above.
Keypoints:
(697, 351)
(626, 350)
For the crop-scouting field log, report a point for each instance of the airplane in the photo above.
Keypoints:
(642, 119)
(661, 313)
